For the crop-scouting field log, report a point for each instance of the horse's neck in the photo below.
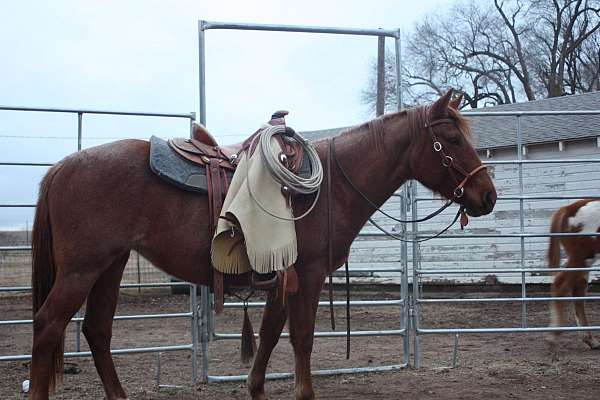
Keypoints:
(377, 165)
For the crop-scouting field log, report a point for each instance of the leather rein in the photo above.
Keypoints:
(447, 161)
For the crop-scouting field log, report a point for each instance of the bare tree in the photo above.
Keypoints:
(503, 52)
(583, 67)
(369, 94)
(565, 27)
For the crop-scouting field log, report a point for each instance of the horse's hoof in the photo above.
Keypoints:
(553, 349)
(592, 342)
(257, 394)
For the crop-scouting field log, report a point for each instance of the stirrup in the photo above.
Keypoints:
(263, 282)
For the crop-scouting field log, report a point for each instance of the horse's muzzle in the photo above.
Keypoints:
(485, 206)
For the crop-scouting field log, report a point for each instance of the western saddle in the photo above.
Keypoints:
(220, 161)
(202, 147)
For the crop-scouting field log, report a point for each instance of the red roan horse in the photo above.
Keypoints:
(582, 216)
(96, 205)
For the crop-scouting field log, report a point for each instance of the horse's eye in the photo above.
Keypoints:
(454, 140)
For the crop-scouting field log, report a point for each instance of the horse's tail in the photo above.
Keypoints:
(43, 271)
(558, 225)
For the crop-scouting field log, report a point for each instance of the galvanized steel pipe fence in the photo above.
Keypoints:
(201, 317)
(192, 314)
(208, 332)
(418, 272)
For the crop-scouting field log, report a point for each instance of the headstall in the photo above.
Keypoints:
(448, 160)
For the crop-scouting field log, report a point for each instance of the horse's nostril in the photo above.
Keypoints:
(490, 199)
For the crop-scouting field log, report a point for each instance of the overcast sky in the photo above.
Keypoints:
(143, 56)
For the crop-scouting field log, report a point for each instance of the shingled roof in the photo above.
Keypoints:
(493, 132)
(496, 132)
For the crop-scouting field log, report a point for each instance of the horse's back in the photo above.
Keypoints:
(581, 216)
(106, 197)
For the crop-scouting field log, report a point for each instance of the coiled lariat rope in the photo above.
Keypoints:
(282, 175)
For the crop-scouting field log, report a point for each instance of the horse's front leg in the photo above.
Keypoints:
(273, 321)
(302, 313)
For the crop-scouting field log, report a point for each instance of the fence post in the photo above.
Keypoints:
(414, 305)
(521, 220)
(204, 330)
(380, 104)
(78, 313)
(194, 333)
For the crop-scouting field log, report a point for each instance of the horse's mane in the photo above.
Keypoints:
(416, 118)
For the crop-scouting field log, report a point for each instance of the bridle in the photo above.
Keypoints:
(446, 160)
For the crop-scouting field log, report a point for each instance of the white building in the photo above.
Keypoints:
(555, 137)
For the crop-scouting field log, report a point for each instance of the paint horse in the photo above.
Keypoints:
(97, 205)
(582, 216)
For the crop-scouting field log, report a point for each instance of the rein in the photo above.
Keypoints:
(447, 161)
(371, 203)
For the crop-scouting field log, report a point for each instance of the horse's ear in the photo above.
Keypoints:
(455, 103)
(439, 109)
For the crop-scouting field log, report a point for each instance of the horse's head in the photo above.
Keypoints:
(445, 161)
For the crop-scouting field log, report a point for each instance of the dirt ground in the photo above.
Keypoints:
(489, 365)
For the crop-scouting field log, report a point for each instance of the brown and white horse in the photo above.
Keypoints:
(96, 205)
(582, 216)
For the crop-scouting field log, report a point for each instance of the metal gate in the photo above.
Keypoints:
(208, 332)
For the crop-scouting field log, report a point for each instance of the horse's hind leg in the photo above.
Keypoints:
(273, 321)
(97, 325)
(561, 287)
(66, 297)
(580, 290)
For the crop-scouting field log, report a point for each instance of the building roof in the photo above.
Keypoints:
(501, 131)
(322, 133)
(493, 132)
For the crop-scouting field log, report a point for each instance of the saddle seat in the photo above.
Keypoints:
(203, 147)
(201, 134)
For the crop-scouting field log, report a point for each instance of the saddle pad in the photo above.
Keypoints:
(171, 167)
